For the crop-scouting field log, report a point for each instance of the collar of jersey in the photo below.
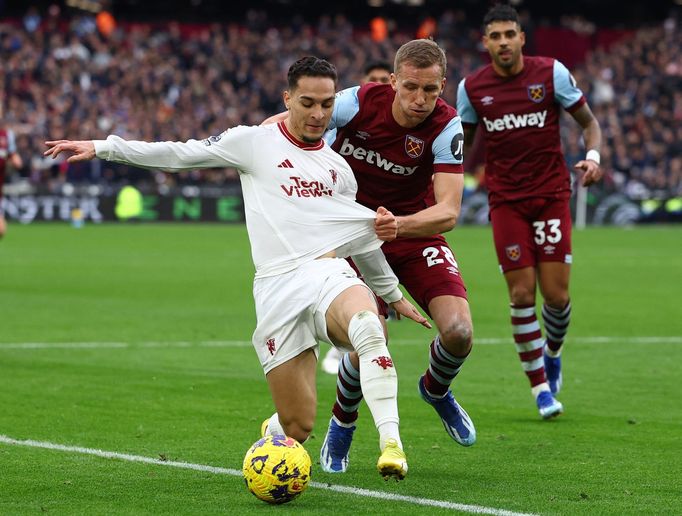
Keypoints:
(303, 145)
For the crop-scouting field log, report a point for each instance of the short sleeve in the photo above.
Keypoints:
(448, 147)
(346, 106)
(465, 109)
(566, 91)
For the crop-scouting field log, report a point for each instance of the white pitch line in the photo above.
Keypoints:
(124, 345)
(473, 509)
(675, 339)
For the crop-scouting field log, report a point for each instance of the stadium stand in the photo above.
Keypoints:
(171, 81)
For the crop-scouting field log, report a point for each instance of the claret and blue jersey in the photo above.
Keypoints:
(519, 117)
(393, 165)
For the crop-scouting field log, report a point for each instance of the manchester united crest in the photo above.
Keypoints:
(513, 252)
(383, 362)
(413, 146)
(536, 92)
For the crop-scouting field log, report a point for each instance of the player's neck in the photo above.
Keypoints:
(299, 139)
(509, 72)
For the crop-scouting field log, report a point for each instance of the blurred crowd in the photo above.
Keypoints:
(70, 77)
(635, 90)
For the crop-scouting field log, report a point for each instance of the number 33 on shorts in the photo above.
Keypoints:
(547, 231)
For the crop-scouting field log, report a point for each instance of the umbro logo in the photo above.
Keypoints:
(285, 164)
(487, 100)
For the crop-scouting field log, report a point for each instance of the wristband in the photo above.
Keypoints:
(593, 155)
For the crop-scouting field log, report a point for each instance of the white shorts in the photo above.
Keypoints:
(291, 309)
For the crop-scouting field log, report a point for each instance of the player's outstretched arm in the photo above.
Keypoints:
(231, 148)
(79, 150)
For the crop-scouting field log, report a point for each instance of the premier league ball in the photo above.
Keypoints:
(276, 469)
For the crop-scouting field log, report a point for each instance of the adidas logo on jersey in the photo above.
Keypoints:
(285, 164)
(374, 158)
(512, 121)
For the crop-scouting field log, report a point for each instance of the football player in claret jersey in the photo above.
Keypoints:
(516, 102)
(8, 154)
(302, 219)
(404, 144)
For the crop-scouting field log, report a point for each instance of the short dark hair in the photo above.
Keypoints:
(310, 66)
(378, 65)
(501, 12)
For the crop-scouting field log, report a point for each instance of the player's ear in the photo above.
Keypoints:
(522, 36)
(393, 81)
(286, 97)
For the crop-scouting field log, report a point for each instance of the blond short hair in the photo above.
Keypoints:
(421, 53)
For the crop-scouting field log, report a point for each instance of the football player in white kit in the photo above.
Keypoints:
(302, 220)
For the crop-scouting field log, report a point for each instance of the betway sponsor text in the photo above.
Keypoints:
(374, 158)
(512, 121)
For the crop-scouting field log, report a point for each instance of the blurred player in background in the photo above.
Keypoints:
(302, 219)
(374, 72)
(8, 155)
(377, 72)
(404, 144)
(516, 100)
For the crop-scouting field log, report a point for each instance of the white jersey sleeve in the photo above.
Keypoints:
(346, 106)
(378, 274)
(232, 148)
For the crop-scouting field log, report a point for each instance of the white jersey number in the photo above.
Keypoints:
(547, 231)
(431, 255)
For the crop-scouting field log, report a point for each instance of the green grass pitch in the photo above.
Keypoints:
(135, 339)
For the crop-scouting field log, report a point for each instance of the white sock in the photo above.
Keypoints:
(274, 426)
(553, 354)
(539, 388)
(341, 423)
(378, 377)
(388, 431)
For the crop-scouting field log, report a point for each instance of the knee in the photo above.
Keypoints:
(522, 295)
(365, 332)
(457, 337)
(299, 428)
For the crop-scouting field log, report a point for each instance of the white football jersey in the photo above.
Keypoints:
(299, 198)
